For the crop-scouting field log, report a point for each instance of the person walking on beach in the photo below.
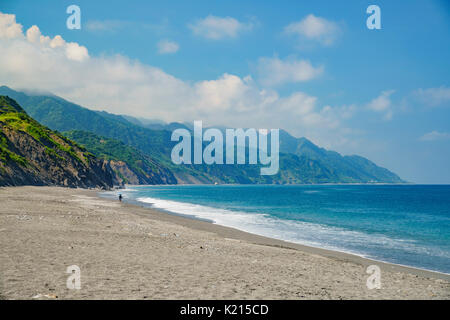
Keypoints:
(120, 197)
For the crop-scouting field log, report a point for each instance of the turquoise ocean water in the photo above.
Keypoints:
(402, 224)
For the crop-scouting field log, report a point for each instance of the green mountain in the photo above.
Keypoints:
(345, 168)
(312, 164)
(130, 165)
(31, 154)
(300, 160)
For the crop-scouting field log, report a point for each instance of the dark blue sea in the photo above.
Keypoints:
(402, 224)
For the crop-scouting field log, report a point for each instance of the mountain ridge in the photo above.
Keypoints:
(301, 161)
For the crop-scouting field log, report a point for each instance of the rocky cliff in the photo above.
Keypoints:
(31, 154)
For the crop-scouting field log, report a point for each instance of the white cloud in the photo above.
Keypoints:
(216, 28)
(382, 104)
(434, 96)
(34, 34)
(124, 86)
(435, 136)
(274, 71)
(33, 38)
(57, 41)
(76, 52)
(9, 29)
(167, 47)
(315, 28)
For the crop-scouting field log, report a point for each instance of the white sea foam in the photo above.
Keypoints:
(305, 233)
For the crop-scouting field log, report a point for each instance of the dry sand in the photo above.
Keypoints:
(128, 252)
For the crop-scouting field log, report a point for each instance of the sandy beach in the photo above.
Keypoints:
(129, 252)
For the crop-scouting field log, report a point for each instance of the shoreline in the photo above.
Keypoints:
(126, 251)
(237, 234)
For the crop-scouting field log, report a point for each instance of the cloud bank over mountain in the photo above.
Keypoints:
(31, 60)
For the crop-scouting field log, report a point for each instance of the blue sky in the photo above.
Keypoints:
(311, 67)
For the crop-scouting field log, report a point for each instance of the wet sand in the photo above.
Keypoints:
(129, 252)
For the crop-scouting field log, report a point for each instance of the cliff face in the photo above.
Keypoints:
(31, 154)
(124, 174)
